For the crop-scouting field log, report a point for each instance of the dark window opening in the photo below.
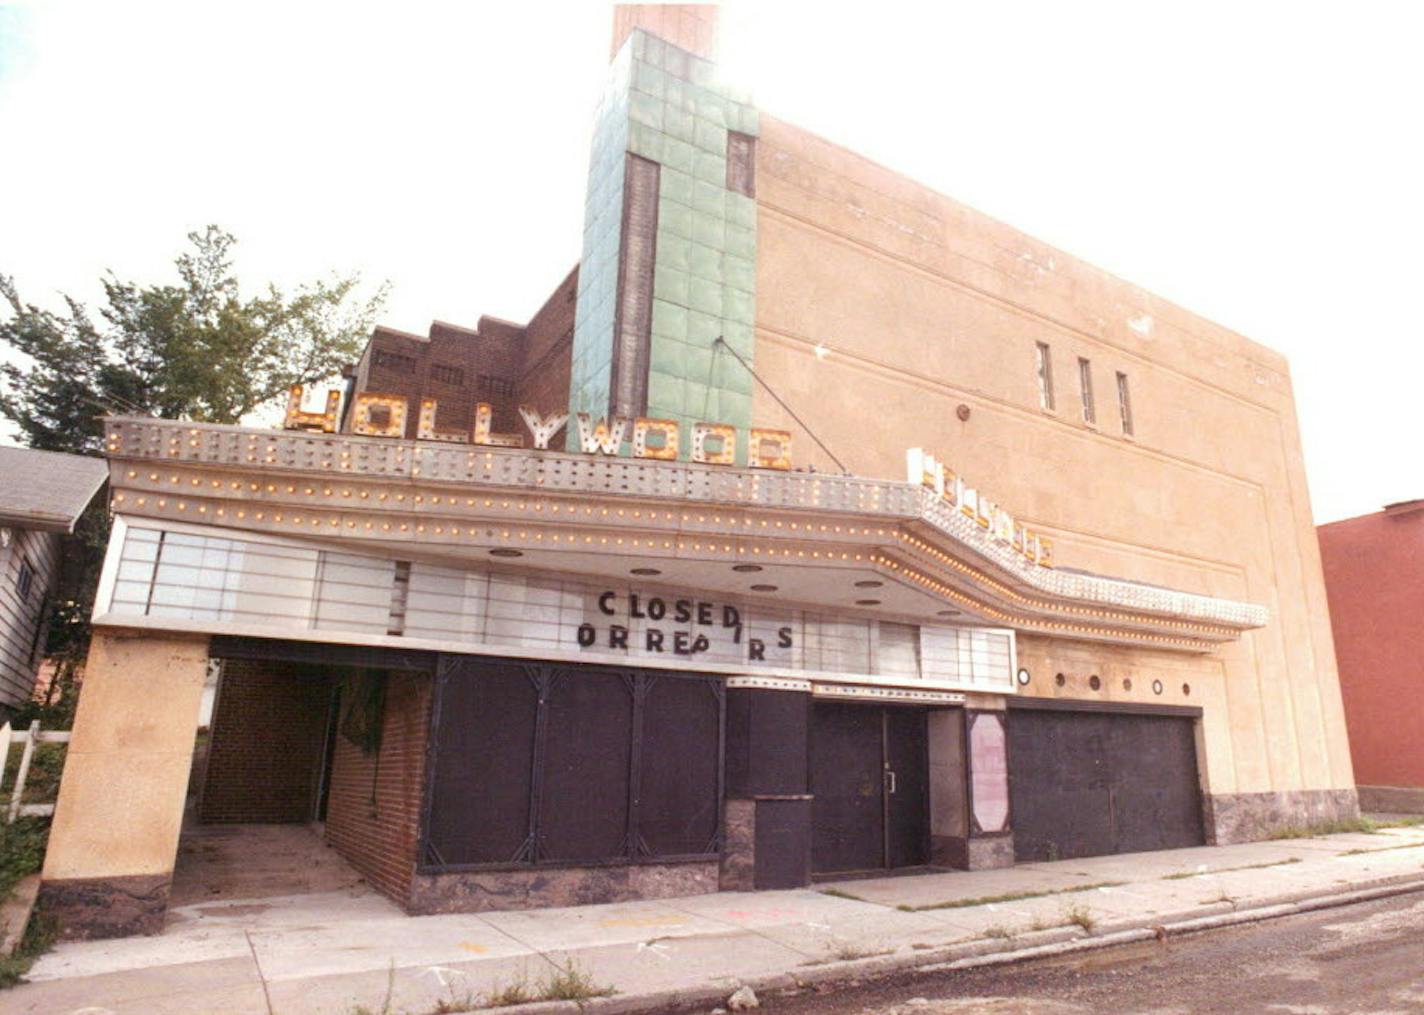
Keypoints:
(741, 163)
(1124, 403)
(399, 362)
(535, 763)
(633, 309)
(25, 582)
(446, 374)
(496, 387)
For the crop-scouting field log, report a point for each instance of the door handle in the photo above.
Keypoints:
(889, 781)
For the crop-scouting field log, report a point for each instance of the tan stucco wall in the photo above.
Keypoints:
(924, 305)
(121, 800)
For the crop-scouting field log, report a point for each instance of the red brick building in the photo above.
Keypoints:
(1374, 579)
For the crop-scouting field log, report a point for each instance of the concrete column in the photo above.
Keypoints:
(114, 838)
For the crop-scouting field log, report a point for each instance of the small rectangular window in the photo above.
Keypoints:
(25, 583)
(446, 374)
(1045, 377)
(396, 361)
(1124, 402)
(741, 163)
(1085, 385)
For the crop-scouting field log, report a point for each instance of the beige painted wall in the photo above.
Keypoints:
(924, 305)
(121, 801)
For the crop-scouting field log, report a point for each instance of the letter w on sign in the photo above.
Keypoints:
(600, 438)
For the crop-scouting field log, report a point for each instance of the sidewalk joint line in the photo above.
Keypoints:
(257, 964)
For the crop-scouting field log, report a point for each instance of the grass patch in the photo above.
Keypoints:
(1368, 826)
(42, 781)
(998, 930)
(1081, 916)
(570, 982)
(22, 850)
(1380, 849)
(987, 900)
(515, 992)
(849, 953)
(385, 1008)
(1227, 870)
(836, 893)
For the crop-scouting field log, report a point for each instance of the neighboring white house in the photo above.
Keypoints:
(42, 496)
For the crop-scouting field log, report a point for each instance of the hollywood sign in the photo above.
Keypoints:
(377, 415)
(950, 488)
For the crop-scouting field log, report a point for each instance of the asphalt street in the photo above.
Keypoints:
(1366, 958)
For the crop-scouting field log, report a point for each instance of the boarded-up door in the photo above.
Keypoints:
(1092, 783)
(869, 784)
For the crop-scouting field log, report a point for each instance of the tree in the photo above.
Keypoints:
(198, 349)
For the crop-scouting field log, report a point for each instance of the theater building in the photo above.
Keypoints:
(1373, 570)
(817, 524)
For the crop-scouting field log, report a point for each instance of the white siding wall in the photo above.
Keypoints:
(19, 620)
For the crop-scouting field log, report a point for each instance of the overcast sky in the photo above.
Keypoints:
(1258, 163)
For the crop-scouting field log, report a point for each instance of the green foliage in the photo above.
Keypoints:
(196, 349)
(39, 935)
(22, 849)
(46, 767)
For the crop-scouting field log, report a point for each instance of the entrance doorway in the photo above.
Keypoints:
(870, 787)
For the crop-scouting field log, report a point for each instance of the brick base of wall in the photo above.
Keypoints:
(264, 757)
(373, 808)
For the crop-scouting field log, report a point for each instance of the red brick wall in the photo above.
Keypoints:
(267, 730)
(373, 810)
(548, 353)
(1373, 567)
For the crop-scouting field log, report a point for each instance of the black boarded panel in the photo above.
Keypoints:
(847, 821)
(583, 811)
(1156, 799)
(783, 844)
(907, 755)
(1089, 784)
(479, 810)
(766, 742)
(677, 803)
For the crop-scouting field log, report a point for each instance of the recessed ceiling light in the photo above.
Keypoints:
(645, 570)
(867, 602)
(504, 551)
(763, 588)
(746, 568)
(947, 613)
(869, 583)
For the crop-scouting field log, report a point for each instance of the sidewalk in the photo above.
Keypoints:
(329, 953)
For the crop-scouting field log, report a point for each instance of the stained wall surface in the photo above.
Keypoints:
(921, 305)
(1374, 577)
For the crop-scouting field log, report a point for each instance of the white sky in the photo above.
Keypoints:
(1259, 163)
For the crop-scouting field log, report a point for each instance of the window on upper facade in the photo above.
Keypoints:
(446, 374)
(1045, 376)
(1085, 387)
(395, 361)
(25, 581)
(1124, 402)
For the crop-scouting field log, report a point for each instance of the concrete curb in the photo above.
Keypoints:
(985, 952)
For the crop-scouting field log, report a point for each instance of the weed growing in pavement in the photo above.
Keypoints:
(385, 1008)
(516, 992)
(1246, 867)
(570, 982)
(836, 893)
(849, 953)
(1082, 916)
(1380, 849)
(998, 930)
(1369, 826)
(987, 900)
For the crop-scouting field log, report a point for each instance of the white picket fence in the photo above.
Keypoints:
(29, 738)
